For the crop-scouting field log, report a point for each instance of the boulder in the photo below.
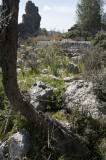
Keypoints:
(16, 146)
(40, 94)
(79, 96)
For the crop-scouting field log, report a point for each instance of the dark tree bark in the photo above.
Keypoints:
(63, 139)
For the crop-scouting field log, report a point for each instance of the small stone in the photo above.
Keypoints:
(54, 78)
(68, 79)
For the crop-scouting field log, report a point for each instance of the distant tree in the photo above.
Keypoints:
(89, 14)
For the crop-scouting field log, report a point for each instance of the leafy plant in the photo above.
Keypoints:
(100, 39)
(94, 63)
(34, 68)
(89, 128)
(25, 82)
(50, 55)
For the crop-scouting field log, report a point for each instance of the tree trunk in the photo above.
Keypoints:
(62, 138)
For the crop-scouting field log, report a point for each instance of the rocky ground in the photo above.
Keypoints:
(52, 82)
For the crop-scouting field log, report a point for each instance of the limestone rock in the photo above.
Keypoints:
(54, 77)
(30, 21)
(51, 76)
(79, 96)
(77, 58)
(68, 79)
(39, 94)
(16, 146)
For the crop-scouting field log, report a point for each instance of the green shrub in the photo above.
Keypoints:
(73, 34)
(35, 68)
(94, 59)
(100, 39)
(91, 130)
(94, 63)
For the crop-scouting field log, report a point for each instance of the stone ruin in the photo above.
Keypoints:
(30, 20)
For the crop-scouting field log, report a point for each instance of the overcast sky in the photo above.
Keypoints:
(56, 14)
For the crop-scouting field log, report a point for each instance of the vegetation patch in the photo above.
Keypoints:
(91, 130)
